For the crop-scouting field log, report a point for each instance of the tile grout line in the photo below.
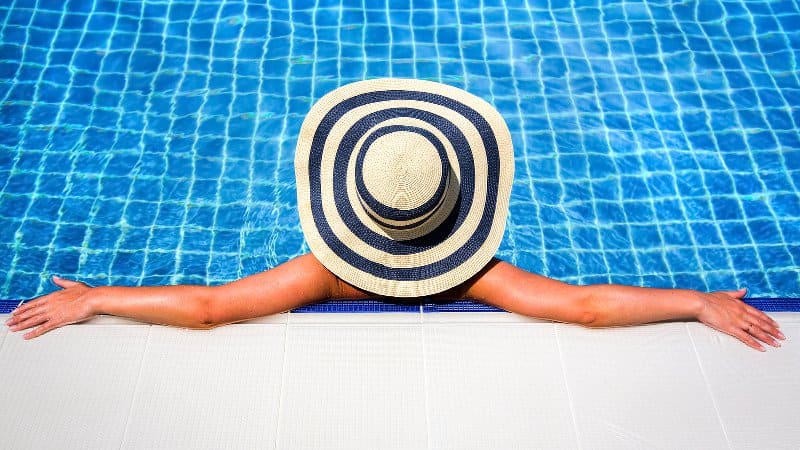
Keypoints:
(566, 385)
(425, 379)
(283, 381)
(708, 386)
(3, 338)
(136, 388)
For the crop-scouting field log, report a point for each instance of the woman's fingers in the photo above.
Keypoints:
(34, 305)
(760, 318)
(739, 294)
(30, 305)
(764, 330)
(758, 331)
(745, 337)
(60, 282)
(759, 314)
(753, 325)
(44, 317)
(44, 328)
(37, 303)
(66, 283)
(27, 321)
(22, 313)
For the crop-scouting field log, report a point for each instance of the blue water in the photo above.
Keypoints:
(153, 143)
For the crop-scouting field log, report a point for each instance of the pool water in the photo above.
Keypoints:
(152, 143)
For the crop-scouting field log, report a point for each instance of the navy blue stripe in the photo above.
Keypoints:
(413, 246)
(764, 304)
(389, 226)
(388, 212)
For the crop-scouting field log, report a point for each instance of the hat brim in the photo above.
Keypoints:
(344, 238)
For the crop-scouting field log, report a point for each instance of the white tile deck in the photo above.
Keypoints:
(496, 386)
(353, 386)
(410, 381)
(638, 387)
(208, 389)
(756, 393)
(70, 388)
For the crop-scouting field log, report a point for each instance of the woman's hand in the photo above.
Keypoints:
(726, 312)
(69, 305)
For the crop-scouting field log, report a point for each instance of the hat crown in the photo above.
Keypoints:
(402, 177)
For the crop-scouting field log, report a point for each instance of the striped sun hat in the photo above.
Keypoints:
(403, 185)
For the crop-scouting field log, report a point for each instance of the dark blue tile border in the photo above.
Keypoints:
(775, 304)
(6, 306)
(458, 306)
(359, 306)
(373, 306)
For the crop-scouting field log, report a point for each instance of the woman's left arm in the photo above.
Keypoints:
(516, 290)
(297, 282)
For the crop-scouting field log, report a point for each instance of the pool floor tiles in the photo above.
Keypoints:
(496, 381)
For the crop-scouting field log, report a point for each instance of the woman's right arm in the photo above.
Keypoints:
(516, 290)
(298, 282)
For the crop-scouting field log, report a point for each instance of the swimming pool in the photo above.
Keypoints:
(152, 143)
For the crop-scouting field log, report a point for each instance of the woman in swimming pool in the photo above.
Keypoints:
(305, 280)
(403, 189)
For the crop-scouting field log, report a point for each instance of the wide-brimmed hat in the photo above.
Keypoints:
(403, 185)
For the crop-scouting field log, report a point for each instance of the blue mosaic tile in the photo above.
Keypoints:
(656, 144)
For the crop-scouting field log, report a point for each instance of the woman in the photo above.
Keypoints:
(304, 280)
(403, 189)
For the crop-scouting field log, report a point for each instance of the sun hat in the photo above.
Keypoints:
(403, 185)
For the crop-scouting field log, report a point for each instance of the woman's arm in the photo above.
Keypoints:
(295, 283)
(305, 280)
(513, 289)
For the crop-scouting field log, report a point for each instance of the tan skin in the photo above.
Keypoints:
(304, 280)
